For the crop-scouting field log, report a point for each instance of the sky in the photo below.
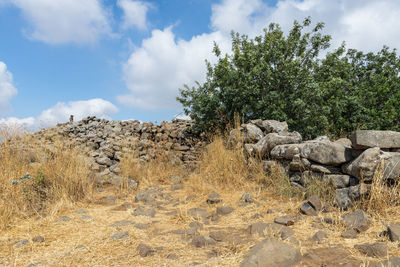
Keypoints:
(127, 59)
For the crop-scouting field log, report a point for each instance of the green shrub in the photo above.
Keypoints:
(284, 77)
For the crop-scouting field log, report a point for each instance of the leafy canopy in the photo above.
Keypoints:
(284, 77)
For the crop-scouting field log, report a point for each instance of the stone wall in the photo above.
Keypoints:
(350, 164)
(105, 142)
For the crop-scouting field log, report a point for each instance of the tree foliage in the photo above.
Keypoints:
(284, 77)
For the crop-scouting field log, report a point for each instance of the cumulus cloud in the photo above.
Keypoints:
(7, 89)
(156, 70)
(61, 111)
(135, 13)
(65, 21)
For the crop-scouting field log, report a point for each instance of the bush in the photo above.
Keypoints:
(284, 78)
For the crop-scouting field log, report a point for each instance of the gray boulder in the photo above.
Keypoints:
(268, 142)
(357, 220)
(286, 151)
(346, 196)
(272, 126)
(327, 153)
(339, 180)
(271, 252)
(365, 165)
(252, 133)
(369, 138)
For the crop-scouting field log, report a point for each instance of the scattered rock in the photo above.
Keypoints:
(86, 218)
(122, 223)
(357, 220)
(64, 219)
(307, 209)
(143, 211)
(120, 235)
(349, 234)
(394, 232)
(392, 262)
(319, 236)
(213, 198)
(218, 235)
(198, 213)
(144, 250)
(271, 252)
(21, 243)
(274, 229)
(225, 210)
(329, 257)
(286, 220)
(378, 249)
(38, 239)
(81, 211)
(172, 256)
(202, 241)
(196, 225)
(315, 202)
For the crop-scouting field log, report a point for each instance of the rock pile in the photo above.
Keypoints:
(350, 164)
(105, 142)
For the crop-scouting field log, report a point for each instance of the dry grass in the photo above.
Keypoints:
(35, 179)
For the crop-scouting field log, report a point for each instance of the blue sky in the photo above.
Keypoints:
(126, 59)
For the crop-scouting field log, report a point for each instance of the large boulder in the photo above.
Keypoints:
(327, 153)
(286, 151)
(271, 252)
(252, 133)
(268, 142)
(272, 126)
(365, 165)
(368, 138)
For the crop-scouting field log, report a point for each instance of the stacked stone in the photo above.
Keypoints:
(105, 142)
(350, 164)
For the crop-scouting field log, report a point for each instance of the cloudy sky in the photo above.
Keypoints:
(126, 59)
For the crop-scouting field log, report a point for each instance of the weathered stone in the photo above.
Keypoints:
(315, 202)
(378, 249)
(271, 252)
(286, 220)
(319, 236)
(307, 209)
(268, 142)
(202, 241)
(38, 239)
(261, 229)
(213, 198)
(369, 138)
(327, 153)
(394, 232)
(349, 234)
(272, 126)
(143, 211)
(339, 180)
(120, 235)
(225, 210)
(329, 257)
(346, 196)
(198, 213)
(286, 151)
(144, 250)
(344, 141)
(392, 262)
(357, 220)
(252, 133)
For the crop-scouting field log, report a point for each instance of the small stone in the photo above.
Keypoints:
(307, 209)
(197, 213)
(394, 232)
(218, 235)
(196, 225)
(357, 220)
(202, 241)
(38, 239)
(315, 202)
(246, 198)
(120, 235)
(349, 234)
(144, 250)
(286, 220)
(319, 236)
(121, 223)
(81, 211)
(213, 198)
(86, 218)
(21, 243)
(172, 256)
(225, 210)
(378, 249)
(142, 211)
(257, 216)
(64, 219)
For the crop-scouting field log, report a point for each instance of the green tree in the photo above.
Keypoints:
(280, 77)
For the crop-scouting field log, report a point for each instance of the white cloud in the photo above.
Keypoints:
(156, 70)
(7, 89)
(61, 111)
(135, 13)
(65, 21)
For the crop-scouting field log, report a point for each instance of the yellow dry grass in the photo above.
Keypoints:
(81, 242)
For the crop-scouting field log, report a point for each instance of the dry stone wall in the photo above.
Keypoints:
(350, 164)
(106, 142)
